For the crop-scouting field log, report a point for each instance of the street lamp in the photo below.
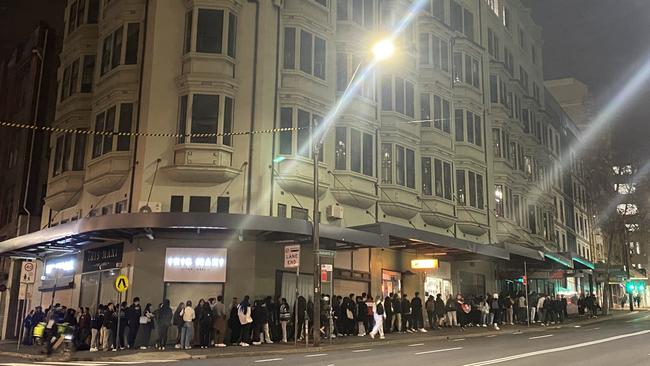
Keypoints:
(381, 51)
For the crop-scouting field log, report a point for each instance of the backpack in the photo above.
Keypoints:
(380, 309)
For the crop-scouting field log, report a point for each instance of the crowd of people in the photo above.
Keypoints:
(210, 323)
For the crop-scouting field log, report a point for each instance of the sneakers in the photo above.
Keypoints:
(496, 327)
(423, 330)
(188, 347)
(244, 344)
(382, 337)
(93, 349)
(220, 345)
(257, 343)
(178, 346)
(269, 342)
(362, 335)
(143, 347)
(372, 335)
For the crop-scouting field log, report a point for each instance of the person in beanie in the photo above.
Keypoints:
(164, 317)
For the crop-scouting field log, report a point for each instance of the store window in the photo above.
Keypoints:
(391, 282)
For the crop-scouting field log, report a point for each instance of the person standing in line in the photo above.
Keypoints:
(107, 328)
(523, 309)
(509, 310)
(285, 316)
(379, 314)
(565, 314)
(416, 309)
(495, 310)
(258, 320)
(219, 323)
(388, 310)
(371, 319)
(350, 313)
(439, 308)
(407, 314)
(541, 312)
(450, 307)
(361, 316)
(133, 314)
(267, 310)
(206, 324)
(233, 322)
(85, 321)
(122, 341)
(96, 323)
(397, 314)
(187, 332)
(245, 320)
(430, 306)
(164, 317)
(146, 324)
(178, 322)
(301, 308)
(484, 307)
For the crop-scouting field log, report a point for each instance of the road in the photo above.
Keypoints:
(619, 342)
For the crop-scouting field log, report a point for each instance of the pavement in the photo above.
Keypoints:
(484, 344)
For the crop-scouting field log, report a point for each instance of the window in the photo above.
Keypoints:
(498, 199)
(132, 40)
(209, 31)
(426, 176)
(410, 168)
(387, 163)
(187, 41)
(223, 204)
(126, 118)
(404, 102)
(399, 165)
(340, 148)
(472, 188)
(113, 48)
(199, 204)
(442, 170)
(117, 47)
(120, 207)
(522, 38)
(342, 9)
(509, 60)
(362, 12)
(232, 35)
(438, 9)
(93, 11)
(88, 74)
(299, 213)
(462, 20)
(105, 121)
(72, 17)
(506, 18)
(319, 57)
(282, 210)
(79, 157)
(441, 112)
(346, 65)
(433, 51)
(70, 83)
(302, 123)
(474, 131)
(61, 154)
(532, 219)
(176, 204)
(312, 52)
(208, 114)
(493, 45)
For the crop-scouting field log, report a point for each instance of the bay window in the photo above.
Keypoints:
(433, 51)
(473, 131)
(311, 51)
(404, 165)
(436, 179)
(303, 122)
(215, 31)
(469, 189)
(106, 122)
(209, 115)
(119, 44)
(360, 12)
(441, 112)
(69, 153)
(403, 98)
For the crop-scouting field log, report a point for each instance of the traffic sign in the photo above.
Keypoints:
(121, 283)
(28, 272)
(292, 256)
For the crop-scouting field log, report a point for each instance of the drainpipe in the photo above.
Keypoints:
(249, 187)
(41, 58)
(485, 130)
(137, 119)
(275, 105)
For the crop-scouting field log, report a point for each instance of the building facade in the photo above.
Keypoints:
(445, 151)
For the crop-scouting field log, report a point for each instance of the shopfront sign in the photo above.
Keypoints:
(204, 265)
(424, 264)
(292, 256)
(64, 266)
(103, 258)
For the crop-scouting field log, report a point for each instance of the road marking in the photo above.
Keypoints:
(544, 336)
(558, 349)
(593, 328)
(90, 363)
(458, 340)
(638, 319)
(438, 350)
(416, 344)
(269, 360)
(491, 336)
(317, 355)
(576, 326)
(362, 350)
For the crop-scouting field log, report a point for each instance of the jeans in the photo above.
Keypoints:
(163, 332)
(379, 326)
(106, 335)
(133, 332)
(94, 339)
(397, 322)
(432, 319)
(186, 334)
(267, 333)
(484, 318)
(452, 320)
(509, 313)
(362, 328)
(533, 311)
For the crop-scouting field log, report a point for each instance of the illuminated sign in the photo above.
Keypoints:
(195, 265)
(66, 265)
(424, 263)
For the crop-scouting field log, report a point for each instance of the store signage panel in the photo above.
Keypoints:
(103, 258)
(424, 263)
(195, 265)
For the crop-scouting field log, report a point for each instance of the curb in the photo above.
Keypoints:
(328, 347)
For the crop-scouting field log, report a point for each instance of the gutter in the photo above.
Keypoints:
(249, 187)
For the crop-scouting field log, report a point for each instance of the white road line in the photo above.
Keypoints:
(458, 340)
(362, 350)
(416, 344)
(544, 336)
(558, 349)
(438, 350)
(89, 363)
(576, 326)
(491, 336)
(269, 360)
(317, 355)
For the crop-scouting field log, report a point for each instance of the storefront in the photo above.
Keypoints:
(194, 273)
(438, 280)
(100, 268)
(391, 282)
(57, 283)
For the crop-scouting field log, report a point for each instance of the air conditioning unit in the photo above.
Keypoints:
(144, 207)
(334, 212)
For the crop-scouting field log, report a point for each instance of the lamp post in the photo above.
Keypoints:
(381, 51)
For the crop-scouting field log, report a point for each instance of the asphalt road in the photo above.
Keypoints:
(619, 342)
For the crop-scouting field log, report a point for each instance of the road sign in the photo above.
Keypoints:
(28, 272)
(24, 292)
(292, 256)
(325, 272)
(121, 283)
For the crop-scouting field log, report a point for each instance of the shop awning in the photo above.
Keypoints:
(526, 252)
(560, 259)
(402, 236)
(70, 236)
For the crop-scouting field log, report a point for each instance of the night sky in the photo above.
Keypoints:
(603, 43)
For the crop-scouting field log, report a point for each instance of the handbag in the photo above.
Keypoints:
(349, 314)
(144, 320)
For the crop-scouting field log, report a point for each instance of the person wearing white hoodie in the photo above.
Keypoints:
(379, 314)
(540, 308)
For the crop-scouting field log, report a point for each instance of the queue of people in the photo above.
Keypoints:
(210, 323)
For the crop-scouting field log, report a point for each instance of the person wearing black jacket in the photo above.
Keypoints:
(397, 314)
(259, 318)
(164, 317)
(121, 340)
(108, 324)
(439, 309)
(302, 312)
(416, 309)
(205, 318)
(407, 314)
(178, 322)
(233, 322)
(133, 314)
(96, 326)
(362, 316)
(269, 314)
(388, 310)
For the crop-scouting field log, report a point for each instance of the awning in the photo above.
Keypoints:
(560, 259)
(125, 226)
(402, 236)
(526, 252)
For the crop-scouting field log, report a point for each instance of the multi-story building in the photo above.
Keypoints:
(446, 151)
(26, 85)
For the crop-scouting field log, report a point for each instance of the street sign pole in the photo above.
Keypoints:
(526, 289)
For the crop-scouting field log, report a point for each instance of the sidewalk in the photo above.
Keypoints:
(33, 352)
